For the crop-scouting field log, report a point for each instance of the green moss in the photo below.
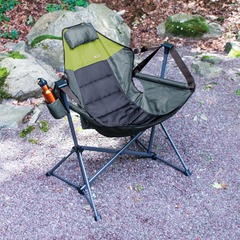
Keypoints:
(26, 131)
(3, 75)
(43, 125)
(191, 28)
(32, 141)
(16, 55)
(43, 37)
(203, 58)
(45, 47)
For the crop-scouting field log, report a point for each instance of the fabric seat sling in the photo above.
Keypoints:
(99, 78)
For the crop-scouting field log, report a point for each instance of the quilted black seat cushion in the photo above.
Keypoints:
(104, 99)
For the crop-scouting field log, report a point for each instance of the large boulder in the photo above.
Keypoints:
(189, 26)
(102, 18)
(50, 51)
(22, 80)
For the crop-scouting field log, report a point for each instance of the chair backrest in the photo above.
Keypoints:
(100, 72)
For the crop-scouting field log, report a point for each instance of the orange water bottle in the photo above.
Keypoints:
(47, 91)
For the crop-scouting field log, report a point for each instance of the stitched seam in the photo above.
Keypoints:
(102, 98)
(113, 110)
(96, 80)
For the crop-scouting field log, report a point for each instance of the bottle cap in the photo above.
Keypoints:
(41, 82)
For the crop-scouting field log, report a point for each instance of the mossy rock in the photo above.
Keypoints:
(211, 59)
(43, 37)
(3, 75)
(234, 53)
(187, 25)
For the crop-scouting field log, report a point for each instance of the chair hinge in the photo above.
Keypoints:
(78, 149)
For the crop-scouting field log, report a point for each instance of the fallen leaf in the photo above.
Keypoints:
(176, 206)
(224, 185)
(138, 199)
(217, 185)
(195, 118)
(204, 117)
(131, 188)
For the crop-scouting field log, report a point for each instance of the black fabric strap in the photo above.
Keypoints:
(142, 64)
(175, 56)
(182, 66)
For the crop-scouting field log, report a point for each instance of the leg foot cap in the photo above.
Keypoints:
(97, 218)
(187, 173)
(48, 174)
(80, 191)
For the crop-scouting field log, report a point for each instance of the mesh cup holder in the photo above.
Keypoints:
(57, 109)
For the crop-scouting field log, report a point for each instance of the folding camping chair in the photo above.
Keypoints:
(98, 77)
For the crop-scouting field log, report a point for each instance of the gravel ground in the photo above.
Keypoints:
(168, 205)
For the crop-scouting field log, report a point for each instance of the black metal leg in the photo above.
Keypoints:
(85, 179)
(49, 173)
(151, 139)
(186, 172)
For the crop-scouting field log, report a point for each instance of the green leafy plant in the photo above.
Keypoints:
(13, 34)
(220, 19)
(3, 75)
(238, 92)
(16, 55)
(52, 7)
(70, 4)
(138, 188)
(6, 6)
(43, 125)
(26, 131)
(32, 141)
(208, 87)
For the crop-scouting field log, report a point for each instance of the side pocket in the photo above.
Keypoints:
(57, 109)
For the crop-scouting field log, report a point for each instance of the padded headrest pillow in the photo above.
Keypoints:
(80, 34)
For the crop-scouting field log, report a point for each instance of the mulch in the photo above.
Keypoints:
(142, 17)
(168, 205)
